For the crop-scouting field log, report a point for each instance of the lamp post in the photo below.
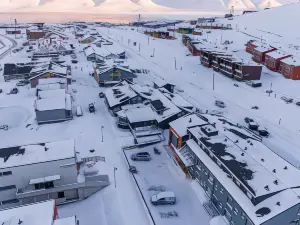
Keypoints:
(115, 168)
(213, 81)
(175, 63)
(102, 132)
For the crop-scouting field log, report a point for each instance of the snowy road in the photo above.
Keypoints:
(161, 171)
(8, 43)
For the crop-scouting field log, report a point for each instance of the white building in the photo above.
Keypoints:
(35, 214)
(43, 171)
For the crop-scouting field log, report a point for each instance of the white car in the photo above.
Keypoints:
(220, 104)
(164, 198)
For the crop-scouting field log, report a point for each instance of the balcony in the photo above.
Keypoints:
(100, 181)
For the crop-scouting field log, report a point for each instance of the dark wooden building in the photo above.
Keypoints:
(35, 34)
(260, 52)
(206, 56)
(290, 68)
(244, 71)
(272, 59)
(193, 47)
(13, 71)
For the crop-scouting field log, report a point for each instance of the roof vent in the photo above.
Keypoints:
(278, 203)
(92, 150)
(245, 148)
(267, 188)
(243, 154)
(276, 182)
(190, 120)
(237, 141)
(262, 160)
(251, 143)
(274, 171)
(285, 168)
(20, 222)
(46, 149)
(248, 141)
(225, 139)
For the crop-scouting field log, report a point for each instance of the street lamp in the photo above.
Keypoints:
(115, 168)
(102, 132)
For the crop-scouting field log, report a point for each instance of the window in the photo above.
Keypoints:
(39, 186)
(5, 173)
(216, 187)
(210, 177)
(220, 205)
(221, 191)
(7, 187)
(243, 215)
(61, 194)
(235, 211)
(11, 201)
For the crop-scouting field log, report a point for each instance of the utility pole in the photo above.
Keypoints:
(115, 168)
(139, 47)
(148, 40)
(175, 63)
(270, 89)
(153, 52)
(102, 132)
(213, 81)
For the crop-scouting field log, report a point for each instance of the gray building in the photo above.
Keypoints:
(53, 106)
(243, 179)
(55, 170)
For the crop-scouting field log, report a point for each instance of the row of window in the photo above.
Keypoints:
(5, 173)
(7, 187)
(10, 201)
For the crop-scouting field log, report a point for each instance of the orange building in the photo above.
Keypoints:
(290, 68)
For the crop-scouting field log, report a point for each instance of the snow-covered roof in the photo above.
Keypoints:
(293, 61)
(160, 82)
(65, 221)
(43, 87)
(36, 153)
(277, 54)
(89, 51)
(52, 93)
(119, 93)
(264, 48)
(177, 99)
(115, 48)
(182, 124)
(53, 99)
(166, 107)
(33, 214)
(141, 114)
(287, 198)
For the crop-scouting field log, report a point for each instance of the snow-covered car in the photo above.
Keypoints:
(73, 56)
(220, 104)
(253, 83)
(263, 131)
(248, 120)
(164, 198)
(286, 99)
(253, 125)
(79, 111)
(141, 156)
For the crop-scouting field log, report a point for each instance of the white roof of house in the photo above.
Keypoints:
(115, 48)
(52, 93)
(53, 86)
(44, 179)
(277, 54)
(33, 214)
(176, 99)
(65, 221)
(182, 124)
(287, 198)
(166, 194)
(140, 114)
(89, 51)
(51, 103)
(160, 82)
(294, 61)
(36, 153)
(119, 93)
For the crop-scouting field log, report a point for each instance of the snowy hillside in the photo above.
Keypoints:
(136, 5)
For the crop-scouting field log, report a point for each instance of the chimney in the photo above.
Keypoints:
(276, 182)
(278, 203)
(190, 120)
(262, 160)
(285, 168)
(274, 171)
(267, 187)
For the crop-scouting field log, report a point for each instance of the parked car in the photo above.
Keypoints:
(286, 99)
(253, 83)
(253, 125)
(263, 132)
(141, 156)
(248, 120)
(74, 61)
(101, 95)
(14, 91)
(236, 85)
(298, 103)
(91, 108)
(0, 90)
(73, 56)
(220, 104)
(23, 83)
(164, 198)
(79, 111)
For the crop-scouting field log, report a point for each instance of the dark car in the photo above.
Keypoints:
(91, 108)
(298, 103)
(263, 132)
(253, 125)
(101, 95)
(248, 120)
(141, 156)
(74, 61)
(286, 99)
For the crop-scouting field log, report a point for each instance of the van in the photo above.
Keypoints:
(79, 111)
(220, 104)
(141, 156)
(164, 198)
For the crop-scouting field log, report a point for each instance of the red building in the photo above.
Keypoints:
(272, 59)
(193, 46)
(251, 45)
(207, 56)
(290, 68)
(260, 52)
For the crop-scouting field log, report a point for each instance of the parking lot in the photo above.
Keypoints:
(161, 173)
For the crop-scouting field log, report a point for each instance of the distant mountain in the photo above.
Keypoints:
(136, 5)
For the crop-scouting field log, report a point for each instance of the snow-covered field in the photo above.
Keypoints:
(121, 203)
